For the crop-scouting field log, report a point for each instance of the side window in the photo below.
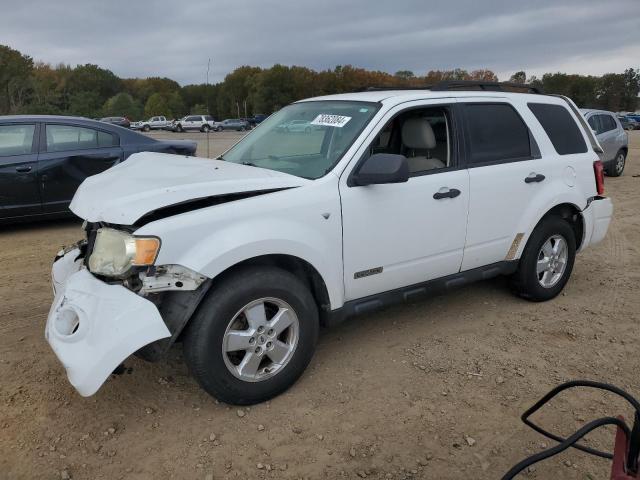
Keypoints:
(68, 137)
(608, 123)
(560, 128)
(423, 135)
(16, 139)
(496, 133)
(594, 123)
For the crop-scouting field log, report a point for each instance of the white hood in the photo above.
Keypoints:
(148, 181)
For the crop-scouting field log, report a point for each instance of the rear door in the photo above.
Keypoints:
(506, 174)
(68, 155)
(19, 192)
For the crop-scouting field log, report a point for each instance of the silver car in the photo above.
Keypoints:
(612, 137)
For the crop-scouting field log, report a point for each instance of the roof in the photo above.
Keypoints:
(43, 118)
(400, 96)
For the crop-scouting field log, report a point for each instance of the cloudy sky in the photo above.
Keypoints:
(175, 38)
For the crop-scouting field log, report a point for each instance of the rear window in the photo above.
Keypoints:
(560, 128)
(496, 133)
(68, 137)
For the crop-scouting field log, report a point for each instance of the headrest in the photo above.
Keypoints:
(417, 133)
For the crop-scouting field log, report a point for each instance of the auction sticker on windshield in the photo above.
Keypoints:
(331, 120)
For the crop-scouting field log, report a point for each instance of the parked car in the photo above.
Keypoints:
(634, 116)
(43, 159)
(204, 123)
(120, 121)
(612, 138)
(628, 123)
(257, 119)
(154, 123)
(233, 124)
(294, 126)
(243, 258)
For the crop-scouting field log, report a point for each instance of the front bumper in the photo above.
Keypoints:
(93, 326)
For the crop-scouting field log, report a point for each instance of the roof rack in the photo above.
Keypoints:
(447, 85)
(483, 85)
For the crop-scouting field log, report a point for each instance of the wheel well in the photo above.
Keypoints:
(302, 269)
(573, 216)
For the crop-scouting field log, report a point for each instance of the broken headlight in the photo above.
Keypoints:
(115, 252)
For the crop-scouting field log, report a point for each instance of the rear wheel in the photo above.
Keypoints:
(616, 167)
(146, 128)
(547, 261)
(252, 336)
(205, 128)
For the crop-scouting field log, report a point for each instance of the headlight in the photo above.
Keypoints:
(116, 252)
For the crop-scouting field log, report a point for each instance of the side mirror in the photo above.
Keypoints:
(381, 168)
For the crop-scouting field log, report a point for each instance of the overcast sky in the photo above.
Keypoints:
(175, 38)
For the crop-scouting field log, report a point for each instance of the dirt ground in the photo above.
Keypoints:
(431, 390)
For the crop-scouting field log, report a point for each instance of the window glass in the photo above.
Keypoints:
(68, 137)
(560, 128)
(422, 135)
(496, 133)
(16, 139)
(594, 124)
(310, 151)
(608, 123)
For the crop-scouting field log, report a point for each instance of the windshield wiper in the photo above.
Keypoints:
(220, 158)
(249, 164)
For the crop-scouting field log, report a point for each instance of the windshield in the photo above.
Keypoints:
(304, 139)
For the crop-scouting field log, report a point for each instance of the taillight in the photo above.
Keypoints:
(598, 170)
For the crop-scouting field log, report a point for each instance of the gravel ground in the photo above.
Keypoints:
(426, 390)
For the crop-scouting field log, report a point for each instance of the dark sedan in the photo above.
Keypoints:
(120, 121)
(43, 160)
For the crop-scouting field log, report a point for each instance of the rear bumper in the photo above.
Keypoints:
(597, 219)
(93, 326)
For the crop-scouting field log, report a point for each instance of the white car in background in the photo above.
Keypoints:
(154, 123)
(401, 194)
(203, 123)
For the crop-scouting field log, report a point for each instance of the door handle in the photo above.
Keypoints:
(534, 178)
(445, 192)
(23, 169)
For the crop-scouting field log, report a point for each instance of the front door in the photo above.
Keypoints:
(19, 193)
(68, 155)
(403, 234)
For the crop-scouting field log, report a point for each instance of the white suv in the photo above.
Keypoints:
(391, 196)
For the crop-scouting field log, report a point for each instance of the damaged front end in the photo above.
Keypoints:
(97, 320)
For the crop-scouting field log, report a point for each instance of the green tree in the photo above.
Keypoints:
(15, 71)
(519, 77)
(85, 104)
(122, 104)
(176, 105)
(157, 105)
(404, 74)
(92, 78)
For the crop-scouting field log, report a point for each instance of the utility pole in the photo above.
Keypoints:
(208, 106)
(245, 108)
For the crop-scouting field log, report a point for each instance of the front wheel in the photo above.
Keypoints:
(547, 261)
(205, 128)
(253, 335)
(616, 167)
(146, 128)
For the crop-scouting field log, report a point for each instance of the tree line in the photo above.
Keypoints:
(28, 87)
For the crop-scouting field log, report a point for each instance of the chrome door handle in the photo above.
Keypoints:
(23, 169)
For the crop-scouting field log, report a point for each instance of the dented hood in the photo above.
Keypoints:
(149, 181)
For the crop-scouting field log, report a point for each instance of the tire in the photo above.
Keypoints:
(205, 128)
(616, 167)
(179, 128)
(242, 129)
(146, 128)
(222, 310)
(526, 282)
